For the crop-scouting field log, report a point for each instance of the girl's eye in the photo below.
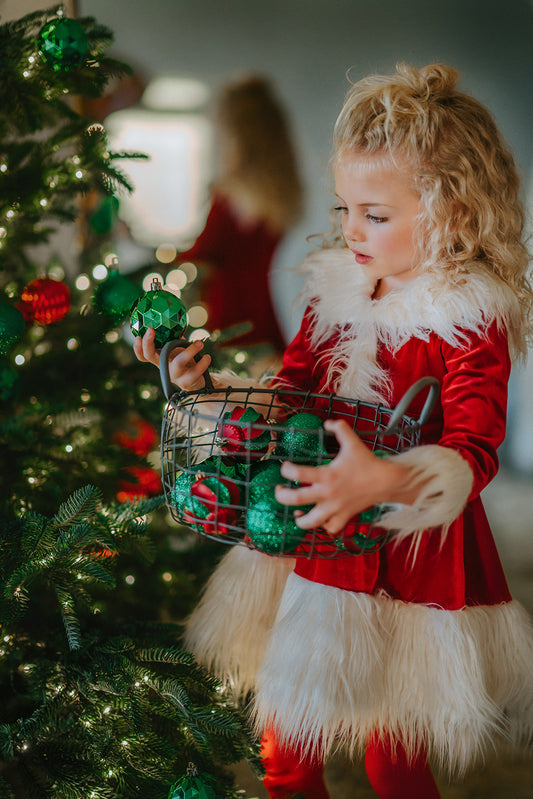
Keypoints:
(340, 208)
(376, 219)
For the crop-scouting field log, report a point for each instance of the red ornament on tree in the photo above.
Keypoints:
(46, 299)
(142, 481)
(138, 436)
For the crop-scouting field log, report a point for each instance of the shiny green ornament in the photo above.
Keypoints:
(12, 326)
(63, 44)
(301, 440)
(162, 311)
(115, 296)
(195, 785)
(271, 526)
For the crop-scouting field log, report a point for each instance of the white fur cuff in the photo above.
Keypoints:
(446, 481)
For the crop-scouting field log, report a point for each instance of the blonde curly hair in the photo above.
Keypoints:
(461, 167)
(258, 165)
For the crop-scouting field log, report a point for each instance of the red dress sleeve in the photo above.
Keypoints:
(474, 401)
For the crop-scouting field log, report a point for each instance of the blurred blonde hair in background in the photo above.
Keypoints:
(258, 169)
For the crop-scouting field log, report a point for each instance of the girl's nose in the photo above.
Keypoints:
(354, 232)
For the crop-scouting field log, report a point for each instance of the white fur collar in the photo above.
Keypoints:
(340, 298)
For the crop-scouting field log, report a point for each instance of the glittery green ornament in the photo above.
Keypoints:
(115, 296)
(195, 785)
(63, 44)
(12, 326)
(270, 525)
(162, 311)
(301, 440)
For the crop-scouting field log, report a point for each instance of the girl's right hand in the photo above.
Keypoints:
(185, 372)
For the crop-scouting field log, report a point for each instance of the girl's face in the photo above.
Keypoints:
(380, 210)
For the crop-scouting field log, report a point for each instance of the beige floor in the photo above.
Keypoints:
(509, 504)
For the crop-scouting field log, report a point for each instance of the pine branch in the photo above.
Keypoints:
(81, 504)
(70, 619)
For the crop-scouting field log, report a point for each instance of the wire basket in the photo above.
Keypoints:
(221, 453)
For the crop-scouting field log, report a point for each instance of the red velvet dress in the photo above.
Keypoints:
(240, 255)
(465, 568)
(430, 651)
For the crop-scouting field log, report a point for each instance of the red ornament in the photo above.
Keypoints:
(104, 553)
(210, 507)
(143, 482)
(239, 435)
(138, 436)
(47, 300)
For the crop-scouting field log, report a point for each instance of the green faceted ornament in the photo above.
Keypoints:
(63, 44)
(301, 441)
(195, 785)
(115, 296)
(12, 326)
(162, 311)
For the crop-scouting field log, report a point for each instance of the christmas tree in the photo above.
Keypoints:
(97, 697)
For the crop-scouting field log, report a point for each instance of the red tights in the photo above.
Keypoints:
(391, 775)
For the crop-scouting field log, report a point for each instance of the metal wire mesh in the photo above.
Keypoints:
(221, 455)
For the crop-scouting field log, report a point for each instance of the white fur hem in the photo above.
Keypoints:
(228, 630)
(342, 666)
(446, 481)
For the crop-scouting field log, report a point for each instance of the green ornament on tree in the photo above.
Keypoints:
(160, 310)
(195, 785)
(12, 326)
(115, 296)
(8, 381)
(105, 216)
(301, 440)
(63, 44)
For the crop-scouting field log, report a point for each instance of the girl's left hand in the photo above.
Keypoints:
(355, 480)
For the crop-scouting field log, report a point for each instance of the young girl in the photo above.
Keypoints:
(415, 654)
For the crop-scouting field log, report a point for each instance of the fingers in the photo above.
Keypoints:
(299, 474)
(185, 370)
(297, 496)
(144, 348)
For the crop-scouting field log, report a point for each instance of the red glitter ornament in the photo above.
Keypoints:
(141, 481)
(46, 299)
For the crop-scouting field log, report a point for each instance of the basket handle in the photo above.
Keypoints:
(402, 407)
(168, 388)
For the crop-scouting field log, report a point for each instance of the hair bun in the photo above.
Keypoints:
(434, 79)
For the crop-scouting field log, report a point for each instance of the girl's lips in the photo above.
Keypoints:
(362, 259)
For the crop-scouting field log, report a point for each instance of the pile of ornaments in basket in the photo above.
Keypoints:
(232, 493)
